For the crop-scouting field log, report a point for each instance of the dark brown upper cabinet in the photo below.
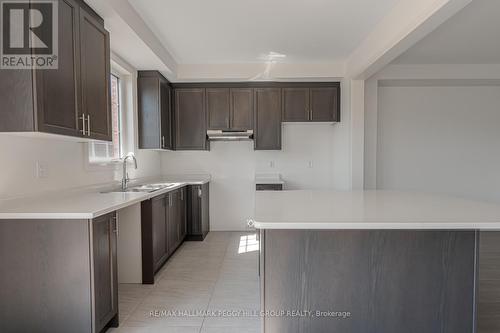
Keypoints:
(58, 89)
(267, 132)
(230, 108)
(241, 109)
(316, 104)
(155, 111)
(295, 104)
(324, 104)
(257, 106)
(72, 100)
(95, 72)
(190, 119)
(218, 108)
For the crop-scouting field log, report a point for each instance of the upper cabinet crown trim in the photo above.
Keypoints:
(267, 84)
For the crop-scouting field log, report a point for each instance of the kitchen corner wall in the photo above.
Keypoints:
(64, 163)
(313, 156)
(439, 137)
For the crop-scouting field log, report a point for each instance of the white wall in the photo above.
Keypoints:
(439, 139)
(65, 164)
(233, 165)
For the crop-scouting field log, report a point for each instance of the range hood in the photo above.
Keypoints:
(229, 135)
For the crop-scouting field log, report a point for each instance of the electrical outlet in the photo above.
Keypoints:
(40, 170)
(310, 164)
(271, 164)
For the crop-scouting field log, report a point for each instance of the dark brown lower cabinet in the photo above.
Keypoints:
(176, 220)
(269, 187)
(198, 215)
(488, 284)
(58, 275)
(159, 230)
(104, 233)
(163, 219)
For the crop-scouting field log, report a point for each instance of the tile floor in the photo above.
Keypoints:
(220, 273)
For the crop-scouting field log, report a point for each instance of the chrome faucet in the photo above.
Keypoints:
(125, 178)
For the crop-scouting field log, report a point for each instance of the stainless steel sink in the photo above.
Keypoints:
(145, 188)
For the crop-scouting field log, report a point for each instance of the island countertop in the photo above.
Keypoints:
(377, 209)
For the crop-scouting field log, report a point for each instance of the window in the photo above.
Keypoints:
(105, 152)
(116, 115)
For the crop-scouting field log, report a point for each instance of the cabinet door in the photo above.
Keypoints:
(165, 114)
(267, 134)
(324, 104)
(198, 214)
(178, 217)
(194, 211)
(95, 72)
(173, 224)
(296, 104)
(105, 269)
(241, 109)
(218, 108)
(159, 218)
(183, 214)
(190, 120)
(148, 95)
(58, 89)
(204, 197)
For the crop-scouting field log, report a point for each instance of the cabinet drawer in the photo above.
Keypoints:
(269, 187)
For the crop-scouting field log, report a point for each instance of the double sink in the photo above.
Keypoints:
(145, 188)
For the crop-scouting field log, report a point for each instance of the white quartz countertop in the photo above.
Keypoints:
(87, 203)
(371, 210)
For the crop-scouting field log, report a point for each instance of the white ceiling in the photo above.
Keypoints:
(240, 31)
(470, 37)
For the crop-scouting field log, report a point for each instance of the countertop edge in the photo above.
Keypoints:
(377, 225)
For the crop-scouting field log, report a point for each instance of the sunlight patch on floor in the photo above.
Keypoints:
(248, 243)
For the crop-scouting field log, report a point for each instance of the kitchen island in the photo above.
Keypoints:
(378, 262)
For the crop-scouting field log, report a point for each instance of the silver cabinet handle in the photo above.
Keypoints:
(182, 194)
(83, 124)
(163, 141)
(88, 125)
(199, 192)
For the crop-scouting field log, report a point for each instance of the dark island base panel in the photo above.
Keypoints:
(376, 281)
